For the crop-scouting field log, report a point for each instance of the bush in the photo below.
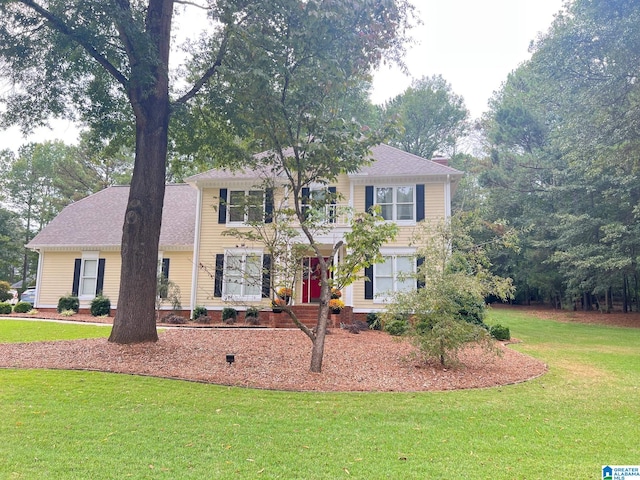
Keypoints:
(68, 303)
(100, 306)
(500, 332)
(22, 307)
(229, 315)
(251, 316)
(199, 311)
(397, 327)
(173, 319)
(67, 313)
(374, 321)
(447, 336)
(5, 308)
(4, 291)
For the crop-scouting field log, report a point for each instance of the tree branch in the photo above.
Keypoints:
(60, 25)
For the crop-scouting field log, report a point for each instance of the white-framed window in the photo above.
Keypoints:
(395, 274)
(246, 206)
(397, 203)
(242, 278)
(88, 285)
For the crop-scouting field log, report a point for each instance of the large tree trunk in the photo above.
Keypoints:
(135, 320)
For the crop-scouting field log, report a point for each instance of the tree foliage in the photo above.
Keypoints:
(564, 132)
(432, 118)
(447, 311)
(108, 62)
(294, 79)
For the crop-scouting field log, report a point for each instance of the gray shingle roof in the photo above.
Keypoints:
(388, 161)
(391, 161)
(96, 221)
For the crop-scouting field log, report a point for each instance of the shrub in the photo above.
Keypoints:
(447, 336)
(500, 332)
(251, 316)
(100, 306)
(4, 291)
(229, 315)
(68, 303)
(173, 319)
(397, 327)
(67, 313)
(374, 321)
(200, 315)
(5, 308)
(22, 307)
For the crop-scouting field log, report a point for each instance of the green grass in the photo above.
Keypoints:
(12, 331)
(583, 414)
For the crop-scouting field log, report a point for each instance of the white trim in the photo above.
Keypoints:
(35, 300)
(244, 252)
(391, 252)
(196, 253)
(88, 255)
(447, 198)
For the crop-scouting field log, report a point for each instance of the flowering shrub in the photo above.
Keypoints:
(336, 304)
(284, 292)
(278, 302)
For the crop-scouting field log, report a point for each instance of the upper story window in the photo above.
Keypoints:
(396, 203)
(246, 206)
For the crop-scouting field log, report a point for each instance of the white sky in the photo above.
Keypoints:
(473, 44)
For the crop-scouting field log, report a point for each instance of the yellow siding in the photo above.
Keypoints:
(180, 269)
(56, 277)
(112, 267)
(434, 203)
(213, 242)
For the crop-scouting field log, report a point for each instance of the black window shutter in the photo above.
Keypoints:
(100, 280)
(165, 267)
(268, 205)
(222, 206)
(163, 285)
(419, 203)
(305, 202)
(76, 277)
(266, 276)
(217, 287)
(368, 283)
(420, 275)
(368, 197)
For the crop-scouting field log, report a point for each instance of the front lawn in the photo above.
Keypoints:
(567, 424)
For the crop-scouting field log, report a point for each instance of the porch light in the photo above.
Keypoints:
(230, 358)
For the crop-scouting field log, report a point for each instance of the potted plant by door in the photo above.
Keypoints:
(285, 293)
(277, 304)
(336, 305)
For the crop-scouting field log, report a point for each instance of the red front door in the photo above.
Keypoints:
(311, 280)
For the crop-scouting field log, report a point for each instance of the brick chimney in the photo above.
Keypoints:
(441, 160)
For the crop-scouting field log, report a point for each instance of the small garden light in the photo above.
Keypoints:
(231, 358)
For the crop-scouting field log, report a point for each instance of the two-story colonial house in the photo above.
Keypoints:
(79, 249)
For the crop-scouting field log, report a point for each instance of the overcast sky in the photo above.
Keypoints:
(473, 44)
